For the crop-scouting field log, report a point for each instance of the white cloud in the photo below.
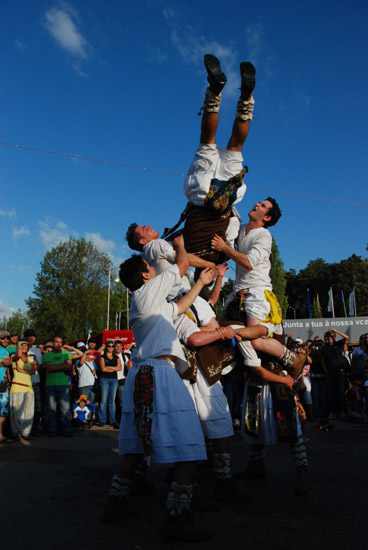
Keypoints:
(20, 232)
(257, 48)
(9, 213)
(102, 245)
(20, 46)
(54, 232)
(5, 310)
(61, 23)
(193, 46)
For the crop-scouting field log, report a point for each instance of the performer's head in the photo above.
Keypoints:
(139, 235)
(135, 272)
(266, 213)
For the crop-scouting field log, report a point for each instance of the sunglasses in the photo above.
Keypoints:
(4, 338)
(109, 346)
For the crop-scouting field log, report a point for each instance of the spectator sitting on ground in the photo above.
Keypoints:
(82, 412)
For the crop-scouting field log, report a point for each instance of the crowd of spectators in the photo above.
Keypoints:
(53, 388)
(335, 381)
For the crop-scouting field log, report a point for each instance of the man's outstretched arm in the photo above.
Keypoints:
(205, 278)
(240, 258)
(181, 257)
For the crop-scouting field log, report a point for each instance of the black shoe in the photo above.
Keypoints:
(116, 426)
(248, 79)
(118, 508)
(216, 77)
(100, 424)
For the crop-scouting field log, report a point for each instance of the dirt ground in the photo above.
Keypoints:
(54, 491)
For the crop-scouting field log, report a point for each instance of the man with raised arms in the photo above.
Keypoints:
(158, 416)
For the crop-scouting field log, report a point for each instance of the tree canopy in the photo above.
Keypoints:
(70, 292)
(319, 276)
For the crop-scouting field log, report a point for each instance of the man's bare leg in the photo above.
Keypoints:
(209, 127)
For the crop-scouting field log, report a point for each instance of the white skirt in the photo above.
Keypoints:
(212, 407)
(176, 431)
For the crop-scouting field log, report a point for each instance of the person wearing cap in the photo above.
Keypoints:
(5, 362)
(94, 353)
(21, 406)
(38, 381)
(82, 411)
(86, 371)
(13, 341)
(334, 365)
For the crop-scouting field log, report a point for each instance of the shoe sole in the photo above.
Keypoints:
(248, 79)
(216, 77)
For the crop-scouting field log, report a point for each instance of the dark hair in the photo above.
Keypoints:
(131, 270)
(133, 239)
(118, 342)
(29, 332)
(274, 212)
(329, 333)
(93, 340)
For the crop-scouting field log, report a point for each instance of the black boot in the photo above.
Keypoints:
(248, 79)
(216, 77)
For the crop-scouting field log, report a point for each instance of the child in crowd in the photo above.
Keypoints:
(82, 412)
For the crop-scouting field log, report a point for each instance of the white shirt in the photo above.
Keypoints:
(161, 255)
(37, 354)
(257, 246)
(85, 376)
(151, 318)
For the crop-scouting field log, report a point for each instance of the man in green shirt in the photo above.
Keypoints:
(57, 363)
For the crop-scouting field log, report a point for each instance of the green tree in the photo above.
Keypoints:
(320, 276)
(70, 291)
(278, 277)
(18, 321)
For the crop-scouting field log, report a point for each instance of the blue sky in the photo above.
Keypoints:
(123, 82)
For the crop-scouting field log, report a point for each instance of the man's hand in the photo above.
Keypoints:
(228, 333)
(208, 275)
(178, 242)
(221, 270)
(217, 243)
(288, 381)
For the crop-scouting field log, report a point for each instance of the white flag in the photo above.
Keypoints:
(351, 304)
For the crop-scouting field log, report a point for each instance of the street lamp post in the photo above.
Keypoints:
(294, 310)
(108, 301)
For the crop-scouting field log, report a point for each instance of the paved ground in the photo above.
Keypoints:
(53, 493)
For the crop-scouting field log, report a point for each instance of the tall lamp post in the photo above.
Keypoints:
(108, 301)
(294, 310)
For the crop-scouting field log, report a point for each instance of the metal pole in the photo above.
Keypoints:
(127, 306)
(108, 302)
